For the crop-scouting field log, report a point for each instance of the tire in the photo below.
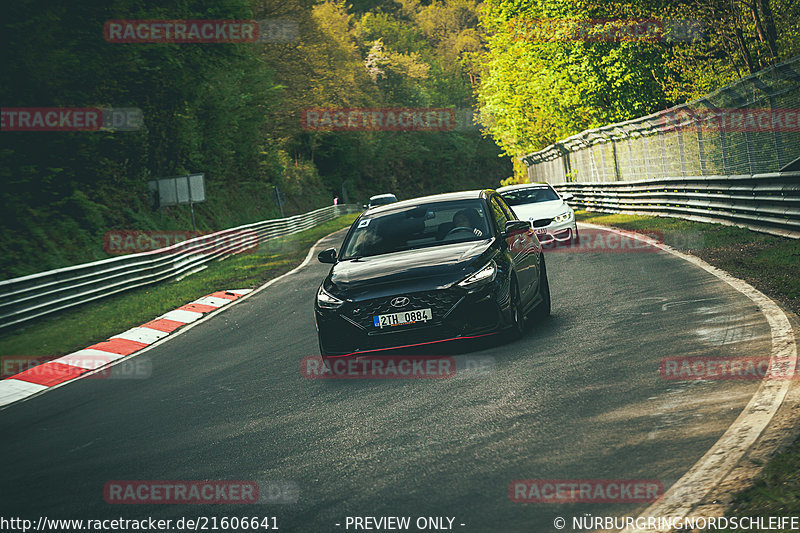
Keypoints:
(576, 239)
(542, 310)
(517, 328)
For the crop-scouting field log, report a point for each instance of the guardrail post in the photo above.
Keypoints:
(601, 176)
(777, 137)
(617, 176)
(681, 150)
(646, 150)
(663, 153)
(630, 157)
(701, 152)
(723, 139)
(748, 141)
(565, 161)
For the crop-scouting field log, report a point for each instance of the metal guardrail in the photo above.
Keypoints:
(768, 203)
(37, 295)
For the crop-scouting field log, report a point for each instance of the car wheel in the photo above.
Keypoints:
(576, 239)
(543, 309)
(517, 319)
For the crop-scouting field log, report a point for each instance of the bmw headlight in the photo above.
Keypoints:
(482, 276)
(563, 217)
(327, 301)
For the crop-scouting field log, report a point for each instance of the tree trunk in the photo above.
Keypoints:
(757, 19)
(744, 50)
(769, 27)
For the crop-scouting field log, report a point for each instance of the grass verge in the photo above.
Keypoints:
(770, 264)
(77, 328)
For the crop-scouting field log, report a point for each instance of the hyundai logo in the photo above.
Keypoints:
(400, 301)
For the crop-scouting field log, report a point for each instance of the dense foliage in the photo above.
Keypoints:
(232, 111)
(540, 86)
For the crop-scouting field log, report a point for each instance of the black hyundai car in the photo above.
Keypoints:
(426, 270)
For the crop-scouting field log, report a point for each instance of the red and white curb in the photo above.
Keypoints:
(96, 356)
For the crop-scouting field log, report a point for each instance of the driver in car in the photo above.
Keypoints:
(465, 219)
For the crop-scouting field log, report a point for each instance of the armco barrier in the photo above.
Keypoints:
(768, 203)
(37, 295)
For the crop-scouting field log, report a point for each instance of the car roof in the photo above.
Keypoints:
(377, 196)
(460, 195)
(522, 186)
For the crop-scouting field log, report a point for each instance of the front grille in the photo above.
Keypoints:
(542, 222)
(440, 302)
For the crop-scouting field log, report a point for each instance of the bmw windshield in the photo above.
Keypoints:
(529, 195)
(419, 226)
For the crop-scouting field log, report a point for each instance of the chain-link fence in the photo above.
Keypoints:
(748, 127)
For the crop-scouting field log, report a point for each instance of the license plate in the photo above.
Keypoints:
(540, 231)
(402, 318)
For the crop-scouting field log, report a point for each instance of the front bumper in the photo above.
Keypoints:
(557, 232)
(457, 314)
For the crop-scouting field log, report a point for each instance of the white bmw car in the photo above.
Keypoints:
(550, 216)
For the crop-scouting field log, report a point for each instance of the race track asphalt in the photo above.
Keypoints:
(579, 397)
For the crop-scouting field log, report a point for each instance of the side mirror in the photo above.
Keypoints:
(567, 196)
(327, 256)
(516, 226)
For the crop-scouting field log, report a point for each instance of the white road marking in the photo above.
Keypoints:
(140, 334)
(12, 390)
(212, 300)
(181, 315)
(688, 492)
(90, 361)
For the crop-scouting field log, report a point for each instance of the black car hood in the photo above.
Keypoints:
(410, 270)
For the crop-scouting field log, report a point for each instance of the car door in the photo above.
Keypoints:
(524, 249)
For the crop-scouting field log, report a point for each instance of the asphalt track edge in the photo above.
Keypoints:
(180, 331)
(688, 494)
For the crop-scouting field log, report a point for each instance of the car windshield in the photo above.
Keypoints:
(418, 226)
(529, 195)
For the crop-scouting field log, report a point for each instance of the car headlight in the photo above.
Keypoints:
(482, 276)
(327, 301)
(563, 217)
